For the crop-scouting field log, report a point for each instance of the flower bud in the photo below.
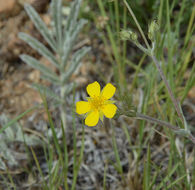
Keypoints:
(133, 36)
(153, 28)
(128, 35)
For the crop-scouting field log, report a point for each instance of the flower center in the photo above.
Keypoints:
(97, 103)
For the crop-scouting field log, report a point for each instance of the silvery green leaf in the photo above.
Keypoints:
(35, 44)
(9, 132)
(19, 134)
(69, 88)
(70, 39)
(37, 65)
(57, 18)
(7, 155)
(47, 92)
(40, 25)
(11, 135)
(51, 79)
(2, 165)
(75, 62)
(72, 17)
(32, 140)
(78, 28)
(66, 11)
(68, 73)
(79, 54)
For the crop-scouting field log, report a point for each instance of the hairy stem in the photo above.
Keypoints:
(173, 99)
(175, 102)
(157, 121)
(62, 90)
(63, 107)
(137, 24)
(168, 125)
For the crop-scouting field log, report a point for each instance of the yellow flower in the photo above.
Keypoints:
(98, 103)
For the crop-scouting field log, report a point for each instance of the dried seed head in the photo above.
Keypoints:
(101, 22)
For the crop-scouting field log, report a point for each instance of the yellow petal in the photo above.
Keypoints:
(93, 89)
(108, 91)
(82, 107)
(92, 118)
(109, 110)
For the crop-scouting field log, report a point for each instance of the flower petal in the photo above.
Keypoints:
(109, 110)
(93, 89)
(108, 91)
(82, 107)
(92, 118)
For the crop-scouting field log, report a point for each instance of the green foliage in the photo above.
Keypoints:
(35, 44)
(61, 41)
(37, 65)
(171, 43)
(11, 135)
(40, 25)
(141, 90)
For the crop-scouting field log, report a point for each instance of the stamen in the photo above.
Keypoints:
(96, 103)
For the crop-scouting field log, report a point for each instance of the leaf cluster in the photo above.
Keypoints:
(61, 42)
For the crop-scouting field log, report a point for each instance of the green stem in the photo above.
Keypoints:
(137, 23)
(176, 105)
(175, 102)
(157, 121)
(63, 107)
(170, 126)
(116, 6)
(114, 46)
(62, 89)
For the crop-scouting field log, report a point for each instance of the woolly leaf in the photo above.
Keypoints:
(69, 88)
(9, 136)
(37, 65)
(70, 39)
(40, 25)
(57, 18)
(45, 90)
(51, 80)
(35, 44)
(72, 17)
(75, 62)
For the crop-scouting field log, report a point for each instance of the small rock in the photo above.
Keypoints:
(7, 5)
(8, 8)
(191, 94)
(39, 5)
